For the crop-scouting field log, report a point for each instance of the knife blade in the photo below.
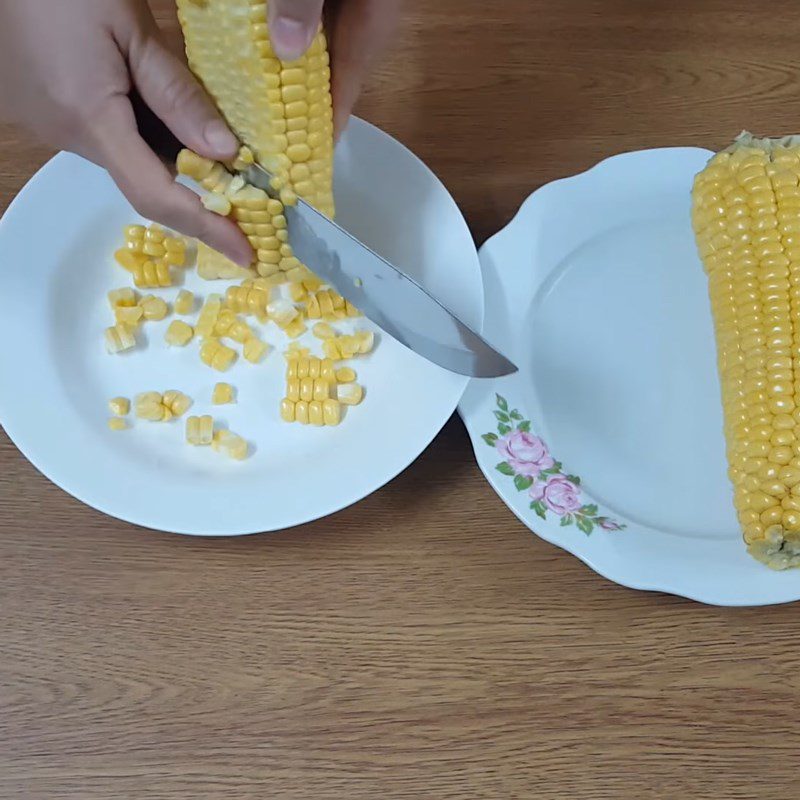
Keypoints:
(389, 297)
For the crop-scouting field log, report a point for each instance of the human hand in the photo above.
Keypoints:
(66, 70)
(358, 32)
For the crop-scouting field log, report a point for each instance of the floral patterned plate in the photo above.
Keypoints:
(608, 441)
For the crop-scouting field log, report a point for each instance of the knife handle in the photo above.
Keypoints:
(158, 136)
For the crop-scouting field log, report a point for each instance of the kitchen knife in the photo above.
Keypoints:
(385, 294)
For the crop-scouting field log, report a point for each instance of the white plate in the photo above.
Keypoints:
(56, 245)
(596, 292)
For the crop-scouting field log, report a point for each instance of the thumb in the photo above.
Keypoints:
(172, 92)
(292, 26)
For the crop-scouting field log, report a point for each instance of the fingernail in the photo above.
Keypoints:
(244, 258)
(290, 37)
(220, 139)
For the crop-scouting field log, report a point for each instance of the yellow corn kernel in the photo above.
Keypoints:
(217, 203)
(179, 333)
(154, 308)
(350, 394)
(131, 316)
(323, 331)
(154, 249)
(312, 307)
(307, 389)
(295, 329)
(326, 370)
(150, 406)
(254, 350)
(293, 389)
(122, 298)
(118, 424)
(332, 412)
(315, 415)
(249, 298)
(345, 375)
(184, 302)
(119, 338)
(240, 331)
(216, 355)
(282, 313)
(176, 402)
(223, 394)
(209, 313)
(200, 430)
(152, 275)
(301, 412)
(129, 260)
(297, 292)
(212, 265)
(119, 406)
(351, 310)
(366, 341)
(233, 445)
(154, 233)
(322, 390)
(134, 233)
(287, 410)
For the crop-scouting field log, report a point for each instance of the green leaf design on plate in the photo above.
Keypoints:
(586, 518)
(584, 524)
(522, 482)
(539, 507)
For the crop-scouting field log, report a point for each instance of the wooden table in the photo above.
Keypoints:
(422, 644)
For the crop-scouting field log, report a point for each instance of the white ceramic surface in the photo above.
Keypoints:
(596, 292)
(56, 245)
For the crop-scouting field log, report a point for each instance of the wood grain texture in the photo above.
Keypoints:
(422, 644)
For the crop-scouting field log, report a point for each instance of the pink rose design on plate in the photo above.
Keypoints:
(526, 454)
(609, 524)
(560, 495)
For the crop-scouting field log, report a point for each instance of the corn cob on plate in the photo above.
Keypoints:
(57, 378)
(610, 441)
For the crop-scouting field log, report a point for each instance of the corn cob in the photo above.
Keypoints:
(283, 112)
(746, 217)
